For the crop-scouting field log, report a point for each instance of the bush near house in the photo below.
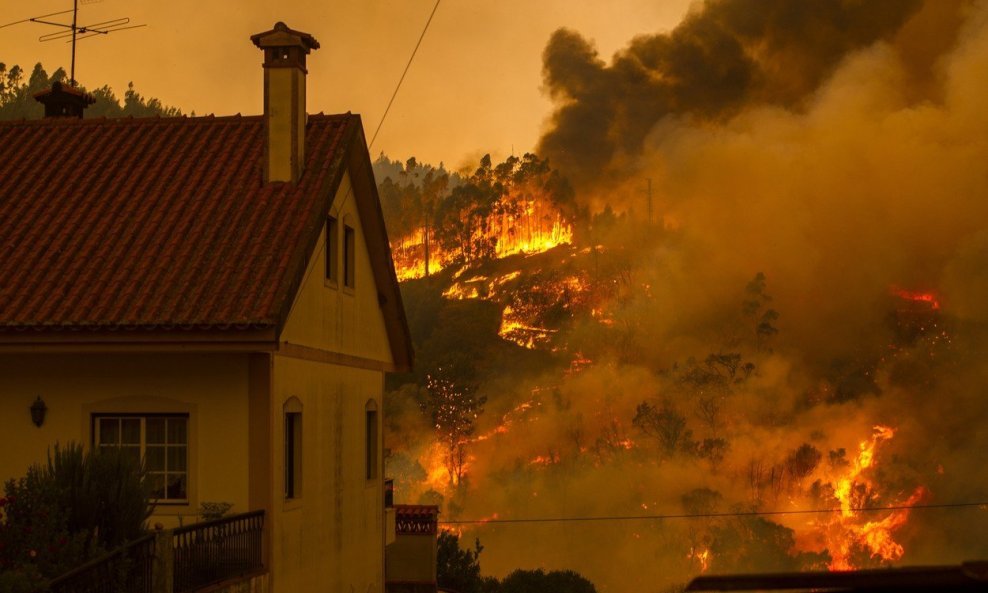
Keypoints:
(67, 511)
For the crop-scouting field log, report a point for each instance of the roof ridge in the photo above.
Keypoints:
(158, 119)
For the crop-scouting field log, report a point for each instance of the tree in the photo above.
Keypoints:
(666, 425)
(458, 569)
(539, 581)
(17, 97)
(763, 319)
(454, 409)
(802, 461)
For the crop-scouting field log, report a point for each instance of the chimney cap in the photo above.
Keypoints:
(59, 90)
(282, 36)
(64, 101)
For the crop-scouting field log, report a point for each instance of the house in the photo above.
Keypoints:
(411, 560)
(217, 295)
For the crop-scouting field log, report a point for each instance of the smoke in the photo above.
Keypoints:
(840, 149)
(725, 57)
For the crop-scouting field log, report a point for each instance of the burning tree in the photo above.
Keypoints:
(454, 410)
(436, 219)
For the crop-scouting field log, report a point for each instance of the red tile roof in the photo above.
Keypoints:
(156, 223)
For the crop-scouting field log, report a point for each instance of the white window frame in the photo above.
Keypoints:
(143, 418)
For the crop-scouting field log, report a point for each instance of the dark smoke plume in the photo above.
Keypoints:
(724, 56)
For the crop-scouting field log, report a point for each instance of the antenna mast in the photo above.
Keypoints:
(76, 32)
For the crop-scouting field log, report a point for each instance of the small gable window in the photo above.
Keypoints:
(349, 258)
(332, 250)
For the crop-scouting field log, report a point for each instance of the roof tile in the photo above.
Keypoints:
(151, 223)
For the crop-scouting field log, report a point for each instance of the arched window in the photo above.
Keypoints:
(371, 438)
(293, 447)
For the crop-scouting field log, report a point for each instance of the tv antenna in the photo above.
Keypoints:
(75, 32)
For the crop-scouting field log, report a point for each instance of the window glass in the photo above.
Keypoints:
(371, 445)
(155, 430)
(176, 487)
(332, 249)
(349, 262)
(293, 454)
(160, 442)
(177, 431)
(109, 431)
(155, 458)
(177, 459)
(130, 431)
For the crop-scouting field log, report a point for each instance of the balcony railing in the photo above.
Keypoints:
(214, 551)
(127, 569)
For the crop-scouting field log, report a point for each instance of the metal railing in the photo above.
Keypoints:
(214, 551)
(124, 570)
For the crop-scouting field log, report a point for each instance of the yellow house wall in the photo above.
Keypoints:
(330, 316)
(331, 538)
(211, 388)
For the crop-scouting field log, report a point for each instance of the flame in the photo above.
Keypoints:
(538, 228)
(701, 556)
(929, 298)
(845, 534)
(526, 336)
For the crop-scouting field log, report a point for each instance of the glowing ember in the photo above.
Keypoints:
(928, 298)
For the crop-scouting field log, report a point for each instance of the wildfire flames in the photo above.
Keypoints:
(540, 227)
(845, 535)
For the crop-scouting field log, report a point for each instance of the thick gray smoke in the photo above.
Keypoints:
(725, 56)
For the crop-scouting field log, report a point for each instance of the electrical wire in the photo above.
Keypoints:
(402, 79)
(953, 505)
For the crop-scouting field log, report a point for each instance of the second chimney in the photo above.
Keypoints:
(284, 100)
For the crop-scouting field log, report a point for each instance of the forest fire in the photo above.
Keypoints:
(848, 539)
(794, 364)
(538, 229)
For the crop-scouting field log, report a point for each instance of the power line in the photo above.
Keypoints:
(713, 515)
(402, 79)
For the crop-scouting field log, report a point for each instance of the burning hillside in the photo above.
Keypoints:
(769, 380)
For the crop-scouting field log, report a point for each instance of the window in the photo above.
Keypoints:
(349, 247)
(161, 441)
(332, 250)
(370, 416)
(293, 448)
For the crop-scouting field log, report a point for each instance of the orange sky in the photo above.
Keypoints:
(474, 86)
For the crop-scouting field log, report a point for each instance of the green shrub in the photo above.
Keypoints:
(68, 510)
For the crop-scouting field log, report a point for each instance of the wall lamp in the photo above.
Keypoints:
(38, 411)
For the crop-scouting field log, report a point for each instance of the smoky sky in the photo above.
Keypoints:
(724, 56)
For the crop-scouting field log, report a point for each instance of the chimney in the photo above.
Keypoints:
(64, 101)
(284, 100)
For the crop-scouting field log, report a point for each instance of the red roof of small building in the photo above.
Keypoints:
(165, 223)
(416, 519)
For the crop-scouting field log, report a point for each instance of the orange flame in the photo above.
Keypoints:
(540, 227)
(846, 535)
(701, 556)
